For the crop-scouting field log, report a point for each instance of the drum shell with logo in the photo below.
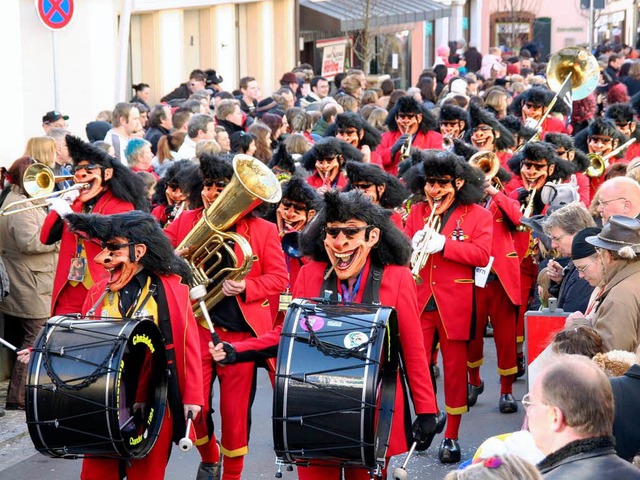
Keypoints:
(84, 378)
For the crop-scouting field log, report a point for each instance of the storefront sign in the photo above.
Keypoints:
(333, 59)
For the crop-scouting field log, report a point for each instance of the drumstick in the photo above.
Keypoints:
(400, 473)
(198, 293)
(8, 345)
(186, 443)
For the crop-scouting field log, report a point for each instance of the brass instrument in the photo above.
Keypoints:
(489, 163)
(447, 143)
(39, 183)
(207, 244)
(527, 210)
(405, 150)
(419, 256)
(175, 213)
(598, 164)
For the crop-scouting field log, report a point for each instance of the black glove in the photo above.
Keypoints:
(231, 354)
(399, 143)
(168, 209)
(523, 195)
(424, 429)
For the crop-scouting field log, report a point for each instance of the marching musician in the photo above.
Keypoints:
(531, 105)
(623, 116)
(410, 125)
(453, 123)
(383, 189)
(566, 150)
(452, 189)
(353, 242)
(601, 137)
(243, 313)
(182, 185)
(326, 159)
(497, 297)
(144, 276)
(112, 188)
(487, 134)
(353, 129)
(520, 132)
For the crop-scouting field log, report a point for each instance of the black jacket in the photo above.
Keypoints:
(626, 394)
(588, 459)
(153, 136)
(574, 291)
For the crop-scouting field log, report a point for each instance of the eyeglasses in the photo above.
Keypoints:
(602, 203)
(559, 237)
(406, 116)
(89, 166)
(348, 232)
(213, 183)
(526, 403)
(443, 182)
(584, 268)
(534, 166)
(362, 186)
(114, 247)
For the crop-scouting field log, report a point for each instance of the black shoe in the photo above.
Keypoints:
(488, 330)
(473, 392)
(435, 371)
(208, 471)
(522, 366)
(442, 420)
(449, 451)
(13, 406)
(508, 403)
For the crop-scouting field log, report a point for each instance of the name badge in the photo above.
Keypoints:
(285, 300)
(78, 269)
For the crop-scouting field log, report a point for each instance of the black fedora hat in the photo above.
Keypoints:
(621, 234)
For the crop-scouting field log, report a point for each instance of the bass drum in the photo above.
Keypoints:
(336, 379)
(96, 387)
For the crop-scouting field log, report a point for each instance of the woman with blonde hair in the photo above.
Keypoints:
(263, 141)
(168, 147)
(42, 149)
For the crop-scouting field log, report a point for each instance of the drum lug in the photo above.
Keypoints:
(279, 464)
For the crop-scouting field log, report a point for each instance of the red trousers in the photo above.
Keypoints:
(237, 388)
(151, 467)
(493, 302)
(454, 362)
(335, 473)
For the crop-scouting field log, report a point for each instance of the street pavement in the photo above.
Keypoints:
(19, 460)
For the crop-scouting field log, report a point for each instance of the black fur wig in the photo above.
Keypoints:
(464, 149)
(283, 160)
(330, 147)
(213, 167)
(439, 163)
(450, 113)
(482, 116)
(409, 104)
(538, 96)
(623, 113)
(538, 151)
(600, 126)
(566, 142)
(394, 192)
(298, 190)
(138, 227)
(393, 248)
(186, 175)
(124, 184)
(371, 136)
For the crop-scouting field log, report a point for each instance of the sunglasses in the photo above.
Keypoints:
(362, 186)
(482, 128)
(605, 140)
(114, 247)
(89, 166)
(327, 160)
(443, 182)
(347, 131)
(532, 106)
(212, 183)
(534, 166)
(348, 232)
(406, 115)
(295, 206)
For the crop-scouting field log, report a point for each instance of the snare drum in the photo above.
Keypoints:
(83, 380)
(335, 384)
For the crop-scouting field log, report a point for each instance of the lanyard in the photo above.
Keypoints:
(347, 295)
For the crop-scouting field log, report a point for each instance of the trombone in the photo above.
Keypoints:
(598, 164)
(39, 183)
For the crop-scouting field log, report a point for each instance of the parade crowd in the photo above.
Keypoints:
(462, 202)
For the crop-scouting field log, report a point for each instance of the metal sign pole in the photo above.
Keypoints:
(591, 26)
(56, 86)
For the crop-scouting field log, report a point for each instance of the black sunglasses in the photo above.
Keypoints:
(89, 166)
(534, 166)
(296, 206)
(348, 232)
(406, 115)
(219, 184)
(443, 182)
(362, 186)
(114, 247)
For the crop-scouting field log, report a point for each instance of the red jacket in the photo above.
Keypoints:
(422, 141)
(186, 342)
(449, 274)
(268, 275)
(316, 182)
(552, 124)
(106, 205)
(506, 264)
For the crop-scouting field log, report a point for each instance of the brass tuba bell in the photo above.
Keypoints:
(489, 163)
(207, 244)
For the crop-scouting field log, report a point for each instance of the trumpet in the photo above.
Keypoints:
(447, 143)
(177, 210)
(405, 150)
(39, 183)
(598, 164)
(527, 210)
(419, 257)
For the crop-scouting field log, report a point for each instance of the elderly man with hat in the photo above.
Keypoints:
(616, 312)
(54, 119)
(409, 124)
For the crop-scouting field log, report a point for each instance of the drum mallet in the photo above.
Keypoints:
(400, 473)
(198, 293)
(185, 442)
(8, 345)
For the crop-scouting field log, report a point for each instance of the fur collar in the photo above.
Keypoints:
(577, 447)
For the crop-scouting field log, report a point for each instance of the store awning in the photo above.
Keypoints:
(348, 15)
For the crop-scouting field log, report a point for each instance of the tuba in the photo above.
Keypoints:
(207, 244)
(489, 163)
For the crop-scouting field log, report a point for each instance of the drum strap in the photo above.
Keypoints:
(371, 290)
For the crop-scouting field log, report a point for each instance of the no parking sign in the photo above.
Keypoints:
(55, 14)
